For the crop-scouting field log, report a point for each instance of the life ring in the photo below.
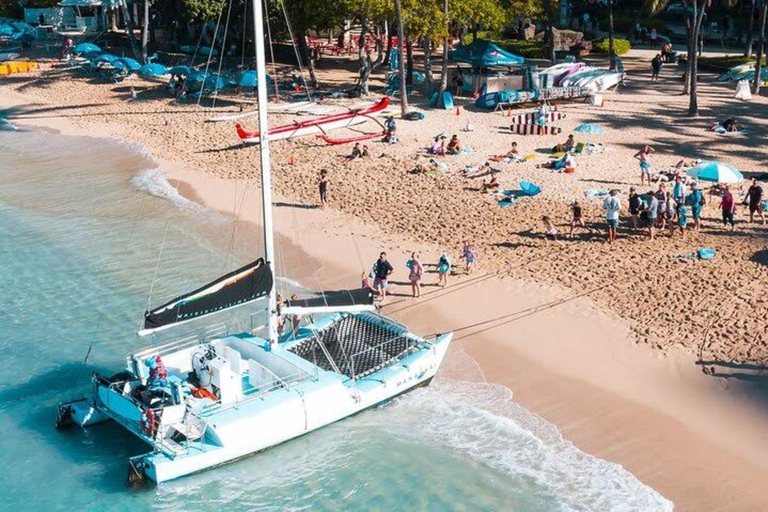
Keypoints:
(149, 422)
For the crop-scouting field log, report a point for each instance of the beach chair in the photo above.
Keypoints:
(578, 149)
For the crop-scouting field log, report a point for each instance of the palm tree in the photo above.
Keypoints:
(611, 47)
(401, 60)
(760, 47)
(444, 71)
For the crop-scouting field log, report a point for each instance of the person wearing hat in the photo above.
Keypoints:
(634, 205)
(697, 201)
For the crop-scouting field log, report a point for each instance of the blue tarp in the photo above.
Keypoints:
(484, 54)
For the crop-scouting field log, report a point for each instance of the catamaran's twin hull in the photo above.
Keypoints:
(238, 430)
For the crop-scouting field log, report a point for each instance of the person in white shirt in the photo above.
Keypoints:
(612, 205)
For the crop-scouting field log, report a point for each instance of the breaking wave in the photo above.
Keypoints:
(154, 182)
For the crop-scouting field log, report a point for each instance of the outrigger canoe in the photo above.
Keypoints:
(317, 126)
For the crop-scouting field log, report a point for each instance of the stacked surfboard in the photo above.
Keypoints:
(531, 124)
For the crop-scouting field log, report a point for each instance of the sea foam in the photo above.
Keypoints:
(154, 182)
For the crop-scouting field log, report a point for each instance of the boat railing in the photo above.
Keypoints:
(285, 382)
(375, 317)
(174, 344)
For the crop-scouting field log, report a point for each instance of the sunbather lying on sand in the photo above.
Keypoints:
(568, 160)
(510, 156)
(483, 170)
(729, 125)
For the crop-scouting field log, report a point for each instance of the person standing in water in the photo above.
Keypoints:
(645, 164)
(323, 185)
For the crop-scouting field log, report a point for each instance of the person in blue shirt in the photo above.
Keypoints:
(697, 201)
(682, 219)
(678, 191)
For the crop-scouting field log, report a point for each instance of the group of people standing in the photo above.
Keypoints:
(382, 270)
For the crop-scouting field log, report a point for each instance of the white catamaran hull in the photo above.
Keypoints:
(237, 429)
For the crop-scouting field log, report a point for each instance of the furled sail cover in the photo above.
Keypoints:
(342, 300)
(244, 285)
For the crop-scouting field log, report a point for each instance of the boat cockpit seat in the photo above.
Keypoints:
(235, 360)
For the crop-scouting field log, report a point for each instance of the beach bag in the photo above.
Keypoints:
(706, 253)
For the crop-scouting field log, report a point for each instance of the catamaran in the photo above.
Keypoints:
(210, 398)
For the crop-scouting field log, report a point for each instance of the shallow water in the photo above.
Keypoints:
(89, 230)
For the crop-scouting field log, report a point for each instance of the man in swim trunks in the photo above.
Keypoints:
(645, 164)
(755, 199)
(381, 270)
(697, 201)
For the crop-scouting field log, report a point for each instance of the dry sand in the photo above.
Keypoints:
(613, 368)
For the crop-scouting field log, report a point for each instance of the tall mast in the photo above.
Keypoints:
(266, 174)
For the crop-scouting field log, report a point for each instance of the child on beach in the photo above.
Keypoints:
(551, 234)
(656, 64)
(682, 220)
(645, 164)
(469, 255)
(323, 185)
(576, 218)
(443, 269)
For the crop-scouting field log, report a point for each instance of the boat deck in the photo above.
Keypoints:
(355, 346)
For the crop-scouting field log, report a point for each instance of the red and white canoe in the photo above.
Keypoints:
(318, 125)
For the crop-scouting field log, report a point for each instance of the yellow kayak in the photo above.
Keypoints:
(12, 67)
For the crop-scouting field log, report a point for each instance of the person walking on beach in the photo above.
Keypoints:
(634, 206)
(728, 206)
(416, 271)
(645, 164)
(612, 205)
(381, 271)
(697, 202)
(469, 254)
(323, 185)
(754, 198)
(656, 65)
(443, 269)
(652, 213)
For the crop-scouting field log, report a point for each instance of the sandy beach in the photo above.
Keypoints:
(603, 341)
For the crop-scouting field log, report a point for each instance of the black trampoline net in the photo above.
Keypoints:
(356, 345)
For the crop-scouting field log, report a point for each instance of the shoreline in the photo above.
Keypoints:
(580, 370)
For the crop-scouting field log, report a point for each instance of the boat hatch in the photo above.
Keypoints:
(356, 346)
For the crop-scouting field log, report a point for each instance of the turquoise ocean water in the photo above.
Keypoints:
(82, 226)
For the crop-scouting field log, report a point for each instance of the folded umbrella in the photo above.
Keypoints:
(85, 48)
(153, 69)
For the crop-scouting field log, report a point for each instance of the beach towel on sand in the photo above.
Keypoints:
(706, 253)
(591, 193)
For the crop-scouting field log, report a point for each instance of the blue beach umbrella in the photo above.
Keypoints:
(128, 63)
(153, 69)
(181, 70)
(246, 79)
(717, 172)
(529, 189)
(589, 128)
(85, 48)
(106, 57)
